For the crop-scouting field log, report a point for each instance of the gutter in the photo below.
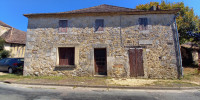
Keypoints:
(120, 31)
(143, 12)
(180, 67)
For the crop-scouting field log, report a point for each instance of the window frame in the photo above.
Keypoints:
(61, 28)
(96, 28)
(143, 23)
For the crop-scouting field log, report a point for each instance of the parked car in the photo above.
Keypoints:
(11, 64)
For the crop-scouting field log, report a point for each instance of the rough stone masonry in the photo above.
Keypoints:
(120, 34)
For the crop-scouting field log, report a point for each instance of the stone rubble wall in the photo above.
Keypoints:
(120, 33)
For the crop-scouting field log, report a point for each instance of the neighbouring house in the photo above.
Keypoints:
(190, 54)
(103, 40)
(15, 40)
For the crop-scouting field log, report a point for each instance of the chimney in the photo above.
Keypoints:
(153, 8)
(11, 30)
(158, 7)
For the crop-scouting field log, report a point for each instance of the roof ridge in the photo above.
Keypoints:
(117, 6)
(98, 6)
(4, 24)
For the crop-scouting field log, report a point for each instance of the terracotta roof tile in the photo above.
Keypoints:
(102, 8)
(13, 35)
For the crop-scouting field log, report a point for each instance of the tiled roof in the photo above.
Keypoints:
(190, 45)
(13, 35)
(104, 9)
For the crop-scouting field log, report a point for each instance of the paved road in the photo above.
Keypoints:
(30, 92)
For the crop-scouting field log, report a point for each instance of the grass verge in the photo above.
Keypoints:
(190, 79)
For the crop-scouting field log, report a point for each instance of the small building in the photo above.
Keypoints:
(103, 40)
(14, 40)
(190, 54)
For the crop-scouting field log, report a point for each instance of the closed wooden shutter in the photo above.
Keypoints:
(66, 56)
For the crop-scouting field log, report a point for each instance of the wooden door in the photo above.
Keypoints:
(100, 61)
(136, 62)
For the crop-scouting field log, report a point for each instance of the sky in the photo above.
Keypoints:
(11, 11)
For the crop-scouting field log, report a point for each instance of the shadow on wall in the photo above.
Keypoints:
(84, 22)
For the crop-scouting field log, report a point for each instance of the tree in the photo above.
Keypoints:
(3, 53)
(188, 23)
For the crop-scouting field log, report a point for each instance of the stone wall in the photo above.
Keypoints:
(120, 34)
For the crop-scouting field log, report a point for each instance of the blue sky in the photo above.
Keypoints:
(11, 11)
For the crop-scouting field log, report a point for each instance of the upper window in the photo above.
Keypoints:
(63, 26)
(66, 56)
(143, 23)
(99, 24)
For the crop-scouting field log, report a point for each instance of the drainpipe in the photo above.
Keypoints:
(120, 31)
(179, 51)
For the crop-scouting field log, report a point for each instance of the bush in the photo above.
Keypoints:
(1, 44)
(4, 54)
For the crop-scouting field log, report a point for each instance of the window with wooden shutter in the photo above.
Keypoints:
(99, 24)
(66, 56)
(63, 24)
(143, 22)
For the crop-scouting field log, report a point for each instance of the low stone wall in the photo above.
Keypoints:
(120, 34)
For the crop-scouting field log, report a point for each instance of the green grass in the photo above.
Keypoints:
(190, 75)
(54, 79)
(12, 76)
(173, 83)
(186, 81)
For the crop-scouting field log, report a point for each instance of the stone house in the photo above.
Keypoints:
(15, 40)
(103, 40)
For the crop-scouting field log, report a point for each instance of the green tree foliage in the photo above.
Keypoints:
(3, 53)
(187, 21)
(1, 44)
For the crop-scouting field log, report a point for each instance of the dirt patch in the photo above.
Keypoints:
(130, 82)
(3, 73)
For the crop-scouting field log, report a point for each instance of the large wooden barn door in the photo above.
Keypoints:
(100, 61)
(136, 62)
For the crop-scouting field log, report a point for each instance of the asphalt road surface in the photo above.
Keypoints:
(31, 92)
